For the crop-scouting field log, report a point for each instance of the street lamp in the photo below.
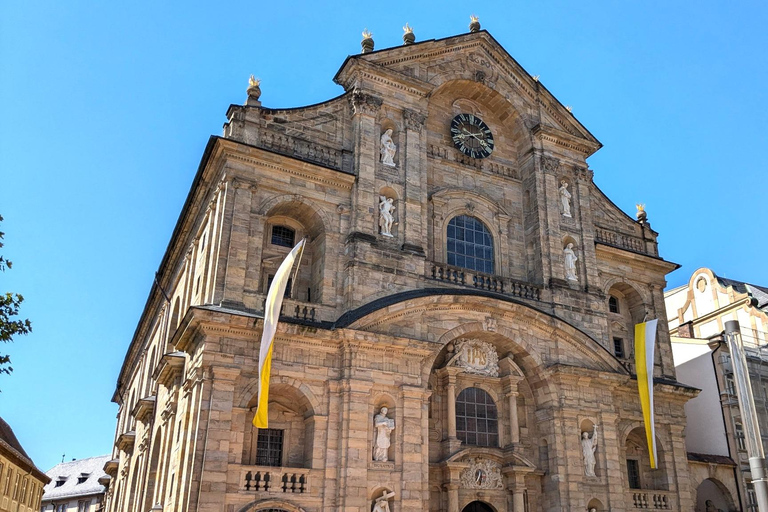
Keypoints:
(748, 413)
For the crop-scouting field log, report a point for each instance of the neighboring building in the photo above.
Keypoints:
(463, 271)
(21, 483)
(76, 486)
(700, 310)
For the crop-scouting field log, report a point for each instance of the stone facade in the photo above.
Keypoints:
(489, 376)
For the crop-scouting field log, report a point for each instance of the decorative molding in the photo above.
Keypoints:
(551, 165)
(414, 120)
(365, 103)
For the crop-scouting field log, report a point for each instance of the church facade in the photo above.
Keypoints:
(458, 336)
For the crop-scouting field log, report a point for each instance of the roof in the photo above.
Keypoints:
(710, 459)
(10, 444)
(92, 469)
(759, 293)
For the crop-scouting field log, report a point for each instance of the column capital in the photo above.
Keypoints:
(414, 120)
(365, 103)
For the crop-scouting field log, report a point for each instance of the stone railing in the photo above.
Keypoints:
(304, 311)
(488, 282)
(628, 242)
(275, 480)
(652, 500)
(281, 143)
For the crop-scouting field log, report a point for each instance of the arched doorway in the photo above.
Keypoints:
(713, 496)
(477, 506)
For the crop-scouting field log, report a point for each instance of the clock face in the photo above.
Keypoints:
(471, 136)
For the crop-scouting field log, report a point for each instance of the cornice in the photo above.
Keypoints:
(564, 139)
(339, 180)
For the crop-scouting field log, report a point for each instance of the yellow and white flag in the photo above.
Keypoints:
(645, 343)
(271, 315)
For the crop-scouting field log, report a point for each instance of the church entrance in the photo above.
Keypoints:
(477, 506)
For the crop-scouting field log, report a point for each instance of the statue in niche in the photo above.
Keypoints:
(565, 199)
(388, 148)
(384, 426)
(588, 448)
(570, 263)
(386, 217)
(382, 502)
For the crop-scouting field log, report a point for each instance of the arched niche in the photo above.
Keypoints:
(285, 224)
(637, 470)
(712, 496)
(291, 428)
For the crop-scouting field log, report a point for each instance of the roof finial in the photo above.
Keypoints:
(254, 92)
(408, 37)
(474, 24)
(642, 217)
(367, 42)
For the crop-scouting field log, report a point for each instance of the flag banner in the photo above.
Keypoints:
(271, 315)
(645, 343)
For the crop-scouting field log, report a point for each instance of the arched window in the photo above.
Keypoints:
(613, 305)
(470, 244)
(283, 236)
(477, 418)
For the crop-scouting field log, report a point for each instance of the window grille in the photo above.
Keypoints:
(613, 304)
(470, 244)
(477, 418)
(633, 472)
(269, 447)
(283, 236)
(618, 348)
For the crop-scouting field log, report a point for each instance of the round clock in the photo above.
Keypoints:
(471, 136)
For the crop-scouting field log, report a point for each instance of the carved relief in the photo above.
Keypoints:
(478, 357)
(413, 120)
(482, 474)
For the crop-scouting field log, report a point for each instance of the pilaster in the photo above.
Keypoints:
(365, 107)
(415, 197)
(239, 237)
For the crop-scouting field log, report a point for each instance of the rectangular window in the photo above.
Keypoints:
(730, 386)
(82, 505)
(633, 472)
(269, 447)
(8, 477)
(740, 441)
(16, 487)
(23, 490)
(618, 347)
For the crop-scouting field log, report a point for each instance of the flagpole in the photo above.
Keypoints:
(748, 413)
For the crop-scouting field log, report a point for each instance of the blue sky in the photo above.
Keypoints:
(105, 109)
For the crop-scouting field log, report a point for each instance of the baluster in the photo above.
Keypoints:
(293, 482)
(267, 479)
(285, 481)
(248, 481)
(304, 313)
(296, 313)
(302, 482)
(461, 274)
(312, 314)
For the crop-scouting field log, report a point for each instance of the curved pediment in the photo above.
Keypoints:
(442, 315)
(422, 68)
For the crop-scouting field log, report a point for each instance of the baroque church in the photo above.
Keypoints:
(458, 336)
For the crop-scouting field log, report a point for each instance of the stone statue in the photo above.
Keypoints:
(382, 502)
(588, 448)
(565, 199)
(388, 148)
(570, 263)
(386, 218)
(384, 426)
(593, 509)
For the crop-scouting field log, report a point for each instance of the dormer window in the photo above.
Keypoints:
(283, 236)
(83, 477)
(613, 305)
(60, 481)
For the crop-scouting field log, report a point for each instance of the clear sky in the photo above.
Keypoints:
(106, 107)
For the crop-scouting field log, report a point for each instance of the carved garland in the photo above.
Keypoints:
(482, 474)
(478, 357)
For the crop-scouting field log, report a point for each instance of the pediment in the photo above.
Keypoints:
(424, 67)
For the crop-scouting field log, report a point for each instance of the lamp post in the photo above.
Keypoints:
(748, 413)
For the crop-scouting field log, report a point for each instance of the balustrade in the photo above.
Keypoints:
(275, 480)
(498, 284)
(620, 240)
(651, 500)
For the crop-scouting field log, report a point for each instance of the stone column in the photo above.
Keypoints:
(237, 256)
(364, 201)
(451, 397)
(453, 496)
(415, 190)
(355, 452)
(218, 413)
(514, 426)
